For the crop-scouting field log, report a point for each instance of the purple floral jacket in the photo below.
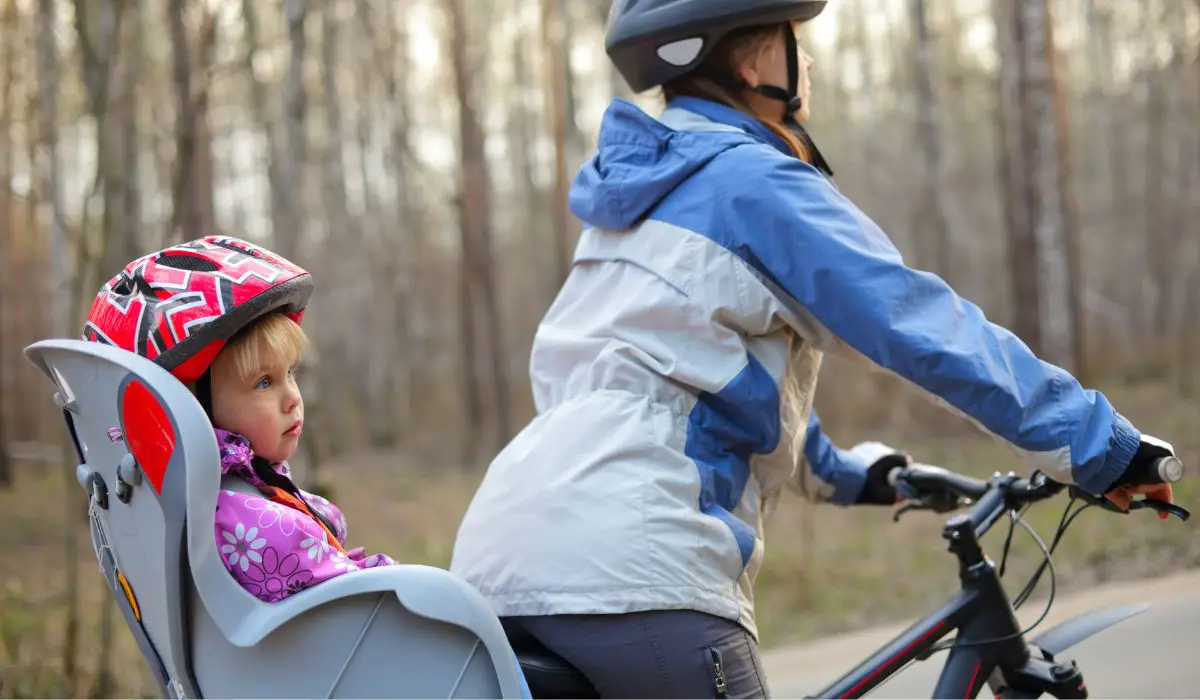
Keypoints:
(274, 550)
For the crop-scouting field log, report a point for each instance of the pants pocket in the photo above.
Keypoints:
(717, 666)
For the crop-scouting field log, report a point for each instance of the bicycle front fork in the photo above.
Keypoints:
(1036, 676)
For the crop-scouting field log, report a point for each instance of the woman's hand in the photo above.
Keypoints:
(877, 489)
(1122, 496)
(1132, 481)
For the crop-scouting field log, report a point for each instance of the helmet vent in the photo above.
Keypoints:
(122, 287)
(187, 262)
(682, 52)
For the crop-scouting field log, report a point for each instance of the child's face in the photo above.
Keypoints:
(265, 407)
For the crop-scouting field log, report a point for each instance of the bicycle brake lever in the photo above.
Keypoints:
(911, 505)
(1100, 501)
(945, 501)
(1161, 507)
(936, 502)
(1136, 504)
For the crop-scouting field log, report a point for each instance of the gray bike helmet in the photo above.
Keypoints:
(652, 42)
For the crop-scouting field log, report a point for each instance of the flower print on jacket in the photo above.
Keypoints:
(271, 549)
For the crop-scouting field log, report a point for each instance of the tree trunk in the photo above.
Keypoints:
(1104, 214)
(554, 62)
(487, 390)
(192, 213)
(407, 337)
(1189, 342)
(258, 101)
(861, 44)
(185, 123)
(1172, 242)
(60, 294)
(129, 240)
(932, 213)
(523, 129)
(341, 243)
(1022, 249)
(1047, 161)
(576, 142)
(1157, 273)
(1047, 293)
(97, 27)
(292, 154)
(8, 62)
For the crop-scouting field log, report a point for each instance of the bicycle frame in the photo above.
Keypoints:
(989, 635)
(973, 612)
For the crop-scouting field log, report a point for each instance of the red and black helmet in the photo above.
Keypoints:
(180, 305)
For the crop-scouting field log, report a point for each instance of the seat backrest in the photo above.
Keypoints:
(149, 460)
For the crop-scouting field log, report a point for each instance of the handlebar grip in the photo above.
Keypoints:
(924, 476)
(1164, 470)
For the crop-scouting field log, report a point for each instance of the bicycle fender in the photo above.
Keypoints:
(1067, 634)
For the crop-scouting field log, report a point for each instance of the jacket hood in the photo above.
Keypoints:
(639, 160)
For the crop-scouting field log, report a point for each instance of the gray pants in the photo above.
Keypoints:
(656, 654)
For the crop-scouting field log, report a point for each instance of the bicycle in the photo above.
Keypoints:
(990, 647)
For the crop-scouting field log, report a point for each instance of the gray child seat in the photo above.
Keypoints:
(149, 460)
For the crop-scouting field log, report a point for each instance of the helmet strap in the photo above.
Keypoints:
(789, 97)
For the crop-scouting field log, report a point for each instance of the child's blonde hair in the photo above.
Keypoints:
(273, 335)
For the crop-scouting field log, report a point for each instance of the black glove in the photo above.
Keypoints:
(1140, 467)
(876, 490)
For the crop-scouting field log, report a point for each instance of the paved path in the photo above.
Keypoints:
(1152, 655)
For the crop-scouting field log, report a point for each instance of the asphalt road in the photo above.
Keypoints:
(1152, 655)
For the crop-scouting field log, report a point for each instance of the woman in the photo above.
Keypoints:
(674, 373)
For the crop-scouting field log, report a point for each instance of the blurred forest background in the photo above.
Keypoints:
(1041, 155)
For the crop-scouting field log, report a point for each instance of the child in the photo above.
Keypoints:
(285, 539)
(224, 317)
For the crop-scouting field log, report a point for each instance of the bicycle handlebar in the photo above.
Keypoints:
(942, 490)
(925, 477)
(1164, 470)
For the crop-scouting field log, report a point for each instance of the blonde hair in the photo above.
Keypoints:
(272, 336)
(730, 52)
(797, 389)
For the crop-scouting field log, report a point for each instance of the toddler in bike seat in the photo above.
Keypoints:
(223, 316)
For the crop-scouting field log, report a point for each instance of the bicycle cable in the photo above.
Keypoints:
(1012, 524)
(1047, 562)
(1063, 523)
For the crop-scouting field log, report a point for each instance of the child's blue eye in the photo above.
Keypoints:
(264, 383)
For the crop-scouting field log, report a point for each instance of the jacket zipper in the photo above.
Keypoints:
(718, 672)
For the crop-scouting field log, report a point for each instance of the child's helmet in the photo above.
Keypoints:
(180, 305)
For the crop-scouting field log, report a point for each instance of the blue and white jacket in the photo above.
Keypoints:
(658, 443)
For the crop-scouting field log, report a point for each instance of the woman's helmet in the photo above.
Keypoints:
(180, 305)
(652, 42)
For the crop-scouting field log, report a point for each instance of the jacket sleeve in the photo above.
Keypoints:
(274, 551)
(837, 272)
(841, 473)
